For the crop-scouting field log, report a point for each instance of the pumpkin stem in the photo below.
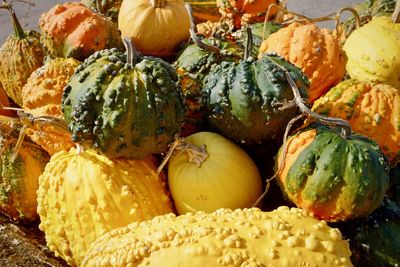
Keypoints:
(337, 18)
(396, 13)
(18, 30)
(158, 3)
(249, 43)
(193, 35)
(100, 6)
(131, 51)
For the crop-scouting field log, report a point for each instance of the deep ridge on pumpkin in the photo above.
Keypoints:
(74, 30)
(372, 110)
(331, 177)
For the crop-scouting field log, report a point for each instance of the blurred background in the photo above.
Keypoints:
(29, 15)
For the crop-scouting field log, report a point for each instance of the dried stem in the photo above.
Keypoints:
(249, 43)
(357, 19)
(396, 13)
(100, 6)
(131, 51)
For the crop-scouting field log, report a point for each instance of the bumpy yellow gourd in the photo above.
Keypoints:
(250, 237)
(373, 52)
(84, 195)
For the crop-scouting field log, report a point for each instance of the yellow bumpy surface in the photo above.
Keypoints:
(249, 237)
(83, 195)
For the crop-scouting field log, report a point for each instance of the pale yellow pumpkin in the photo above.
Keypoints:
(226, 177)
(84, 195)
(156, 27)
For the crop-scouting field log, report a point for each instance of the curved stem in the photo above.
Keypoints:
(249, 43)
(18, 30)
(396, 13)
(355, 15)
(131, 51)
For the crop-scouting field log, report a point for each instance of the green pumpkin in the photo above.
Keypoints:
(244, 100)
(109, 8)
(332, 177)
(123, 109)
(20, 55)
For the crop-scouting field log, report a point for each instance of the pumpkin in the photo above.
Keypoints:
(332, 177)
(19, 177)
(20, 55)
(316, 51)
(204, 10)
(83, 195)
(373, 52)
(109, 8)
(249, 237)
(207, 177)
(74, 30)
(144, 20)
(244, 100)
(42, 97)
(372, 110)
(123, 108)
(243, 12)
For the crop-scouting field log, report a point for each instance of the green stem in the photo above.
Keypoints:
(18, 30)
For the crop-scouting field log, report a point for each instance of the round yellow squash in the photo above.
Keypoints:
(227, 178)
(83, 195)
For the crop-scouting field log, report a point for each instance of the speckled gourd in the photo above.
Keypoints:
(19, 179)
(244, 100)
(20, 55)
(332, 177)
(109, 8)
(41, 96)
(83, 195)
(123, 109)
(74, 30)
(371, 109)
(249, 237)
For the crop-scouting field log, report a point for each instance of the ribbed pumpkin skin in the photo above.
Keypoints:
(373, 52)
(110, 8)
(19, 58)
(204, 10)
(120, 110)
(249, 237)
(316, 51)
(331, 177)
(74, 30)
(242, 100)
(19, 179)
(82, 196)
(42, 97)
(372, 110)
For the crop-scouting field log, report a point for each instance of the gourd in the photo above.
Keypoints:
(244, 100)
(42, 97)
(123, 107)
(83, 195)
(109, 8)
(317, 52)
(332, 176)
(248, 237)
(19, 173)
(205, 175)
(144, 20)
(74, 30)
(372, 110)
(20, 55)
(373, 52)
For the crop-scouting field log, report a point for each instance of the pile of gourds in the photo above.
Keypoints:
(236, 100)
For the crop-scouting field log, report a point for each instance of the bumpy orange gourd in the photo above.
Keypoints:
(74, 30)
(372, 110)
(19, 178)
(243, 12)
(83, 195)
(316, 51)
(156, 27)
(41, 96)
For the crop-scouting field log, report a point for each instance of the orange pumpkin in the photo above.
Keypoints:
(316, 51)
(371, 109)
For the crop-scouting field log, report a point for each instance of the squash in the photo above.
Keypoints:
(244, 101)
(249, 237)
(204, 10)
(144, 20)
(373, 52)
(83, 195)
(372, 110)
(74, 30)
(19, 177)
(208, 177)
(333, 177)
(317, 52)
(20, 55)
(109, 8)
(123, 106)
(243, 12)
(42, 97)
